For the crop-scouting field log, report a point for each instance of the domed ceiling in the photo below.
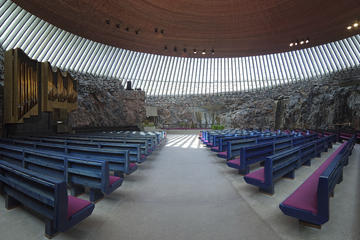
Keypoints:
(220, 28)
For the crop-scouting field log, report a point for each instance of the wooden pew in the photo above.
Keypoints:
(76, 172)
(135, 154)
(118, 160)
(44, 195)
(310, 202)
(280, 165)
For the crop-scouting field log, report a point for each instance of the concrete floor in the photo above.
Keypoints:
(184, 192)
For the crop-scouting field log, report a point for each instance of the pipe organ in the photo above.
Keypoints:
(31, 87)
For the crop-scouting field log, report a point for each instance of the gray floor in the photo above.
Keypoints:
(184, 192)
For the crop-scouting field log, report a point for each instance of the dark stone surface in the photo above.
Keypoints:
(104, 103)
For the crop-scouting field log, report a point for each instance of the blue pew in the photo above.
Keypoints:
(310, 202)
(135, 154)
(44, 195)
(280, 165)
(118, 160)
(77, 173)
(146, 145)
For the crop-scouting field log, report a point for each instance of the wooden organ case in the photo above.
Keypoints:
(32, 88)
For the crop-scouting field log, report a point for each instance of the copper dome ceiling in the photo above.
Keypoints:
(177, 27)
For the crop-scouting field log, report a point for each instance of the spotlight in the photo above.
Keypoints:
(156, 30)
(127, 29)
(185, 50)
(296, 43)
(307, 40)
(349, 27)
(302, 42)
(203, 52)
(291, 44)
(195, 52)
(212, 51)
(107, 21)
(175, 49)
(356, 24)
(165, 47)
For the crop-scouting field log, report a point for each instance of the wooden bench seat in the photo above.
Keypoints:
(44, 195)
(76, 172)
(118, 160)
(280, 165)
(310, 202)
(135, 153)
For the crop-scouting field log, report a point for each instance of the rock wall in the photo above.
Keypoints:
(317, 103)
(104, 103)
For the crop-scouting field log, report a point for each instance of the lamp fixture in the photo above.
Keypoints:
(195, 52)
(203, 52)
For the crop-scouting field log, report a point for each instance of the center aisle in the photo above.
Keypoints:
(178, 193)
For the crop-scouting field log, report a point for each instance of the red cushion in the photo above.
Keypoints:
(132, 165)
(305, 196)
(215, 148)
(235, 161)
(75, 205)
(113, 179)
(258, 175)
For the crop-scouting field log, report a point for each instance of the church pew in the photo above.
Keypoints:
(146, 145)
(310, 201)
(280, 165)
(135, 154)
(76, 172)
(249, 155)
(43, 195)
(118, 160)
(252, 154)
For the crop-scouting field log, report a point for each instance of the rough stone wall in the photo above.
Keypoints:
(317, 103)
(104, 103)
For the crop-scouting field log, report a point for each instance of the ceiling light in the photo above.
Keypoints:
(195, 52)
(356, 24)
(212, 51)
(302, 42)
(295, 43)
(307, 40)
(291, 44)
(203, 52)
(349, 27)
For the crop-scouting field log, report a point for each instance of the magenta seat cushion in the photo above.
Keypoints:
(113, 179)
(132, 165)
(235, 161)
(258, 175)
(143, 156)
(223, 153)
(75, 205)
(215, 148)
(305, 196)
